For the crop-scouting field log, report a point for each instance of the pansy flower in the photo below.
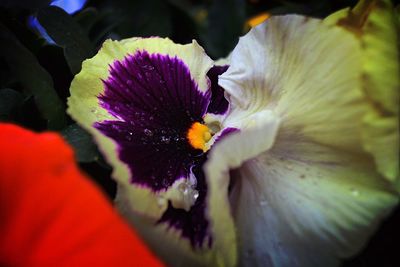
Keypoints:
(265, 168)
(155, 109)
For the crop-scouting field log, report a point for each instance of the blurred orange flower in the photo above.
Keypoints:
(52, 215)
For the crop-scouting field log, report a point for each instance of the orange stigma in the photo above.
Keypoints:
(198, 135)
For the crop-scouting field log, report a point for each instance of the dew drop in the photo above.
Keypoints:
(165, 139)
(148, 67)
(165, 183)
(115, 127)
(355, 192)
(161, 201)
(183, 188)
(148, 132)
(195, 194)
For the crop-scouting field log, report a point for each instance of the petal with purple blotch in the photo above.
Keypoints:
(138, 97)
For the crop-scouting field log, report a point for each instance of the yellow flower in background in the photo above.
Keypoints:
(376, 26)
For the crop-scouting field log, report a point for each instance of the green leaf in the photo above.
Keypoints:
(226, 20)
(87, 18)
(67, 33)
(9, 100)
(33, 77)
(25, 3)
(139, 18)
(81, 141)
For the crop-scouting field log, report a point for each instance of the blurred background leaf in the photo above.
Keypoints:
(67, 33)
(9, 101)
(225, 23)
(81, 141)
(34, 79)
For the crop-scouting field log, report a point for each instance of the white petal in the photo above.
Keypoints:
(298, 204)
(307, 72)
(224, 157)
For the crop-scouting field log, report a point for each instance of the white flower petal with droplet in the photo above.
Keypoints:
(311, 196)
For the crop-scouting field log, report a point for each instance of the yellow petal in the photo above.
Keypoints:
(381, 138)
(376, 26)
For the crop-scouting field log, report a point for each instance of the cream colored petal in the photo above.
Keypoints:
(298, 204)
(83, 103)
(307, 72)
(227, 154)
(166, 242)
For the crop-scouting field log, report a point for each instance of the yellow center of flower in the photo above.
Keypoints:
(198, 135)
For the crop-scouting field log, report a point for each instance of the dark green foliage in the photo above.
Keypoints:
(67, 33)
(9, 101)
(81, 141)
(33, 78)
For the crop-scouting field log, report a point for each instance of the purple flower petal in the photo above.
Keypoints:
(155, 101)
(193, 223)
(218, 104)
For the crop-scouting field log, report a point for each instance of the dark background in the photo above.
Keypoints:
(37, 64)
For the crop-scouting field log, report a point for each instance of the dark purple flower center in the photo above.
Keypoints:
(155, 101)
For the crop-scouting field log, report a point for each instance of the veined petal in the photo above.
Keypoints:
(315, 196)
(222, 158)
(118, 91)
(298, 204)
(294, 65)
(381, 139)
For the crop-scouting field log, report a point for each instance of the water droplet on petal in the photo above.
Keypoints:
(161, 201)
(183, 188)
(165, 139)
(148, 132)
(195, 194)
(355, 192)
